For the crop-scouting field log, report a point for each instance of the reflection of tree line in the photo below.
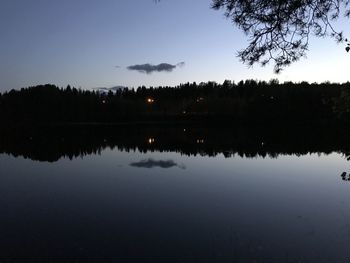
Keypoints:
(52, 143)
(246, 101)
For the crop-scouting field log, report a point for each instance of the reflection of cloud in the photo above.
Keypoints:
(149, 68)
(150, 163)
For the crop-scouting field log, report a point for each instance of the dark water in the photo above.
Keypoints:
(188, 200)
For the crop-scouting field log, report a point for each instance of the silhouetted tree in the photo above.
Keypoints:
(248, 101)
(279, 30)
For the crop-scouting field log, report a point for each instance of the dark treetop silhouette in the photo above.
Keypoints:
(230, 103)
(279, 30)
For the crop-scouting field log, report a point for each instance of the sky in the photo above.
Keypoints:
(102, 43)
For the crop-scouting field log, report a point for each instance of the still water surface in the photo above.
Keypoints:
(151, 206)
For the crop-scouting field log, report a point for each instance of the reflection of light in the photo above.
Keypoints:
(200, 141)
(184, 130)
(151, 140)
(150, 100)
(184, 112)
(200, 99)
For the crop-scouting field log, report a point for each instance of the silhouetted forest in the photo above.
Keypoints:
(50, 143)
(247, 101)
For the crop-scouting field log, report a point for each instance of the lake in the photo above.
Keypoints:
(180, 194)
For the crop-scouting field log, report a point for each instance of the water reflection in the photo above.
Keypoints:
(151, 140)
(52, 143)
(150, 163)
(122, 205)
(200, 141)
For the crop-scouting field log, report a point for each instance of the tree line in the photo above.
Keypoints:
(247, 101)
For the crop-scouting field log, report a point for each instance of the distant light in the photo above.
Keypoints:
(150, 100)
(151, 140)
(200, 141)
(184, 112)
(103, 101)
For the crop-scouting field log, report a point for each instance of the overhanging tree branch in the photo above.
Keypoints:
(279, 30)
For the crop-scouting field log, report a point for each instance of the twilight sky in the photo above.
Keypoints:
(105, 43)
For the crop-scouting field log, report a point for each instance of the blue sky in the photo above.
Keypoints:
(81, 42)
